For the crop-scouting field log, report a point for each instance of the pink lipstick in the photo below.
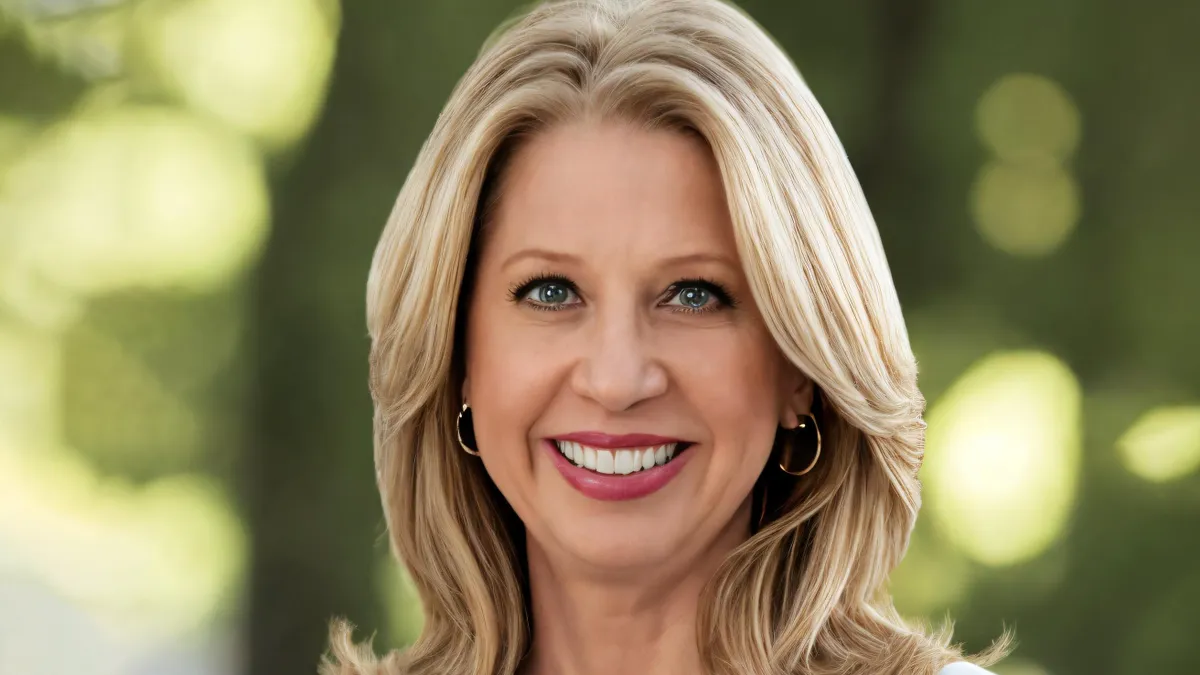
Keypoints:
(644, 463)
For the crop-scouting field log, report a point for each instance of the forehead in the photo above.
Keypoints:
(598, 188)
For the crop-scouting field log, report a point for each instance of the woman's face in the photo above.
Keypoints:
(624, 388)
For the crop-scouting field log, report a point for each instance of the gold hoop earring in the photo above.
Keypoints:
(470, 433)
(790, 445)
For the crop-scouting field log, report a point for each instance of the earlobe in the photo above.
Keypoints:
(789, 419)
(466, 390)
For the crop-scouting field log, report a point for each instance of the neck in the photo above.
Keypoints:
(637, 621)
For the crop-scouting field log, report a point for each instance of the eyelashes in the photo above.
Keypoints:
(518, 291)
(720, 296)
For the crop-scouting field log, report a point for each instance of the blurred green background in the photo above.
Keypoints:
(190, 192)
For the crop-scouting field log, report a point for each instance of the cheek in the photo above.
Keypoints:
(733, 380)
(511, 381)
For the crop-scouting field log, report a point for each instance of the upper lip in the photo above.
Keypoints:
(599, 439)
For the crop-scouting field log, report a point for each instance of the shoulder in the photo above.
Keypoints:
(963, 668)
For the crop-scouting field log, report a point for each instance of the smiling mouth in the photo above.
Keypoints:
(621, 461)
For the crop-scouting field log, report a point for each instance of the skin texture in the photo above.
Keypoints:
(615, 585)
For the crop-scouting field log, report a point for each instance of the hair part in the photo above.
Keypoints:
(807, 592)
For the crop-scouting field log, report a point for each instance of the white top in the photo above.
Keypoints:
(963, 668)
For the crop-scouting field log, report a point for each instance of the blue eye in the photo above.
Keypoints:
(693, 297)
(553, 292)
(550, 293)
(699, 295)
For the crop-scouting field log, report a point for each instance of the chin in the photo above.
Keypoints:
(617, 541)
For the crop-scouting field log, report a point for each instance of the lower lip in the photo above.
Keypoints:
(615, 487)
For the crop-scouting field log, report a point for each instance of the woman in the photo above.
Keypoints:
(645, 402)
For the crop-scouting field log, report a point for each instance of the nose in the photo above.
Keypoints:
(620, 367)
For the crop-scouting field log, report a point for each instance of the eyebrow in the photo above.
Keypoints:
(561, 257)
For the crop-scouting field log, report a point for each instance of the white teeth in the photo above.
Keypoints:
(624, 462)
(621, 462)
(604, 461)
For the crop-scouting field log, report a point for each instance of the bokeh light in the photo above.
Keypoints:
(14, 134)
(148, 381)
(50, 9)
(1002, 456)
(402, 603)
(160, 559)
(1025, 202)
(86, 37)
(29, 374)
(1163, 444)
(1025, 116)
(932, 578)
(1025, 209)
(131, 196)
(119, 410)
(261, 67)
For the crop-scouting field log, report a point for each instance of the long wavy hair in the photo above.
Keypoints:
(807, 592)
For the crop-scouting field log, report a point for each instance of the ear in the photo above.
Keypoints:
(797, 400)
(466, 390)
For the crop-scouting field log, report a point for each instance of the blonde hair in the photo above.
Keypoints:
(807, 592)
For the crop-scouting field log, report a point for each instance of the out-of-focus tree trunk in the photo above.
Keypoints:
(313, 510)
(313, 513)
